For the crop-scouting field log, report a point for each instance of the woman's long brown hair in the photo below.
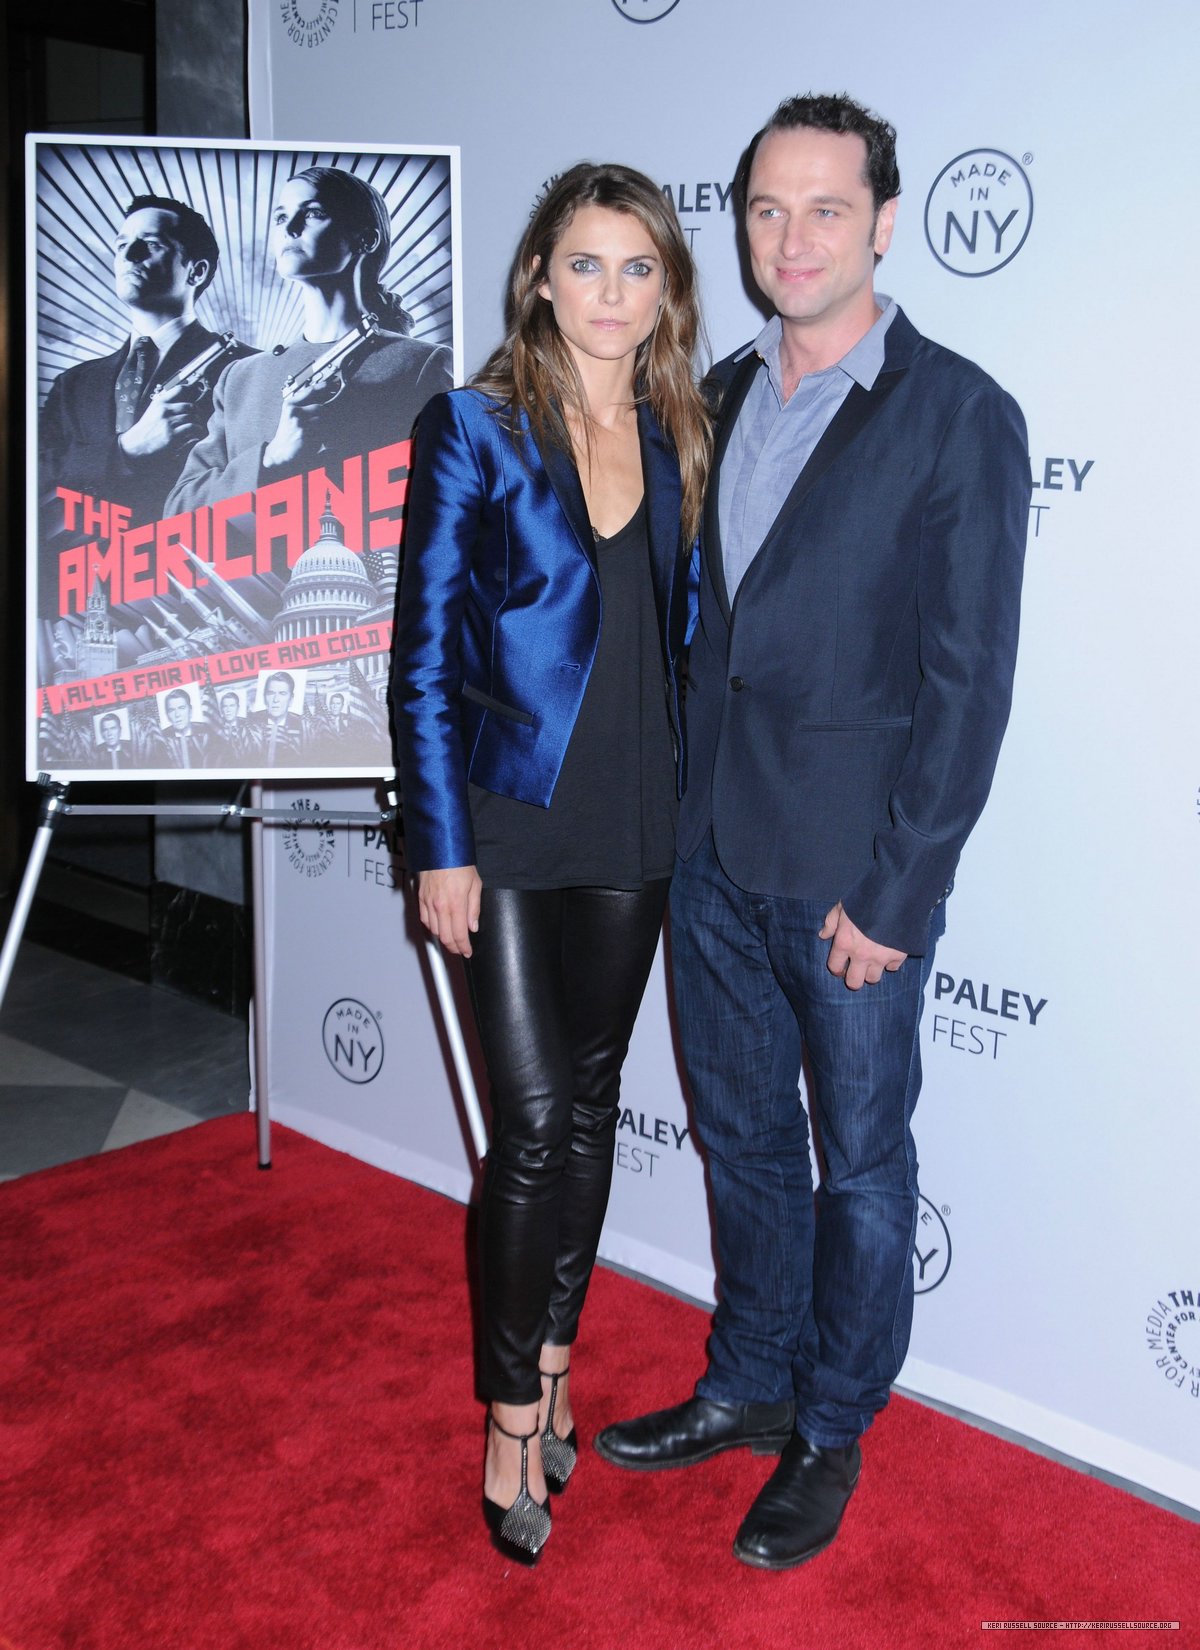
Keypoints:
(533, 370)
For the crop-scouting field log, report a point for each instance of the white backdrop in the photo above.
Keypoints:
(1044, 230)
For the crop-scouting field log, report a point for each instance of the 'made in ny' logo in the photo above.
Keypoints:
(353, 1040)
(645, 11)
(978, 213)
(308, 22)
(931, 1248)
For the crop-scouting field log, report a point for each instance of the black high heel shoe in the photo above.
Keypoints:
(520, 1531)
(559, 1455)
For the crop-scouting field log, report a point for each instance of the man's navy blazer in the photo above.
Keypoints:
(499, 614)
(844, 717)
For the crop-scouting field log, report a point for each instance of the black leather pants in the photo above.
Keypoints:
(556, 979)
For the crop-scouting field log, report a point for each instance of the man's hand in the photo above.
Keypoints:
(858, 960)
(449, 905)
(161, 425)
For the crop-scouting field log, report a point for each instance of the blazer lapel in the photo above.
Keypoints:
(726, 418)
(568, 490)
(855, 412)
(664, 504)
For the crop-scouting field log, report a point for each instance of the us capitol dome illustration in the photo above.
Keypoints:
(329, 588)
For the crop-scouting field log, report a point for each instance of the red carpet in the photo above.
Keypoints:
(237, 1412)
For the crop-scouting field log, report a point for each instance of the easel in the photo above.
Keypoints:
(56, 804)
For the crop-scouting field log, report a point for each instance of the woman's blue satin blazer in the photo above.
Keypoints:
(499, 614)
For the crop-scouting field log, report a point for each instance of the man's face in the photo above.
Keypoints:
(151, 270)
(277, 696)
(813, 229)
(229, 708)
(179, 711)
(335, 705)
(110, 732)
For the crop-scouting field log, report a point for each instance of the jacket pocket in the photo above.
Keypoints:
(488, 703)
(871, 724)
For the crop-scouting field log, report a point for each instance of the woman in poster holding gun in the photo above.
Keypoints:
(353, 381)
(543, 610)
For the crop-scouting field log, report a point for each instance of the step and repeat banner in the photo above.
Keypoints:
(1043, 231)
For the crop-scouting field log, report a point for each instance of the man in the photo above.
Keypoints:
(277, 732)
(185, 744)
(231, 740)
(849, 684)
(336, 721)
(335, 731)
(103, 431)
(114, 752)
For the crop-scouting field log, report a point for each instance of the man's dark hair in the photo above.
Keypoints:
(833, 114)
(194, 234)
(283, 676)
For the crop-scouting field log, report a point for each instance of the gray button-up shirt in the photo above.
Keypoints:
(774, 439)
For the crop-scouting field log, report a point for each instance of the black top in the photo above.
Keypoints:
(611, 820)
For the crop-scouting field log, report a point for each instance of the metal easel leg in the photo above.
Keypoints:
(458, 1048)
(54, 798)
(259, 996)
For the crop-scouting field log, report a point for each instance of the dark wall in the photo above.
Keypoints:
(201, 62)
(124, 67)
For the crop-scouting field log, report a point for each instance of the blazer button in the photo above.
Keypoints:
(736, 683)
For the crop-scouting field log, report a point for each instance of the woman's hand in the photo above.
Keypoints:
(449, 905)
(298, 427)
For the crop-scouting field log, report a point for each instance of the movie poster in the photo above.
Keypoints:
(228, 347)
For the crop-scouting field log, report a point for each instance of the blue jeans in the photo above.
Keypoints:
(815, 1295)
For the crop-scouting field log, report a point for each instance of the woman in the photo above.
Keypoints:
(543, 607)
(330, 233)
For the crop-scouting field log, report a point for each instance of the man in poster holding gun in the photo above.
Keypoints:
(121, 427)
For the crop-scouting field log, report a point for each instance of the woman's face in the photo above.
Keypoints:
(307, 241)
(605, 282)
